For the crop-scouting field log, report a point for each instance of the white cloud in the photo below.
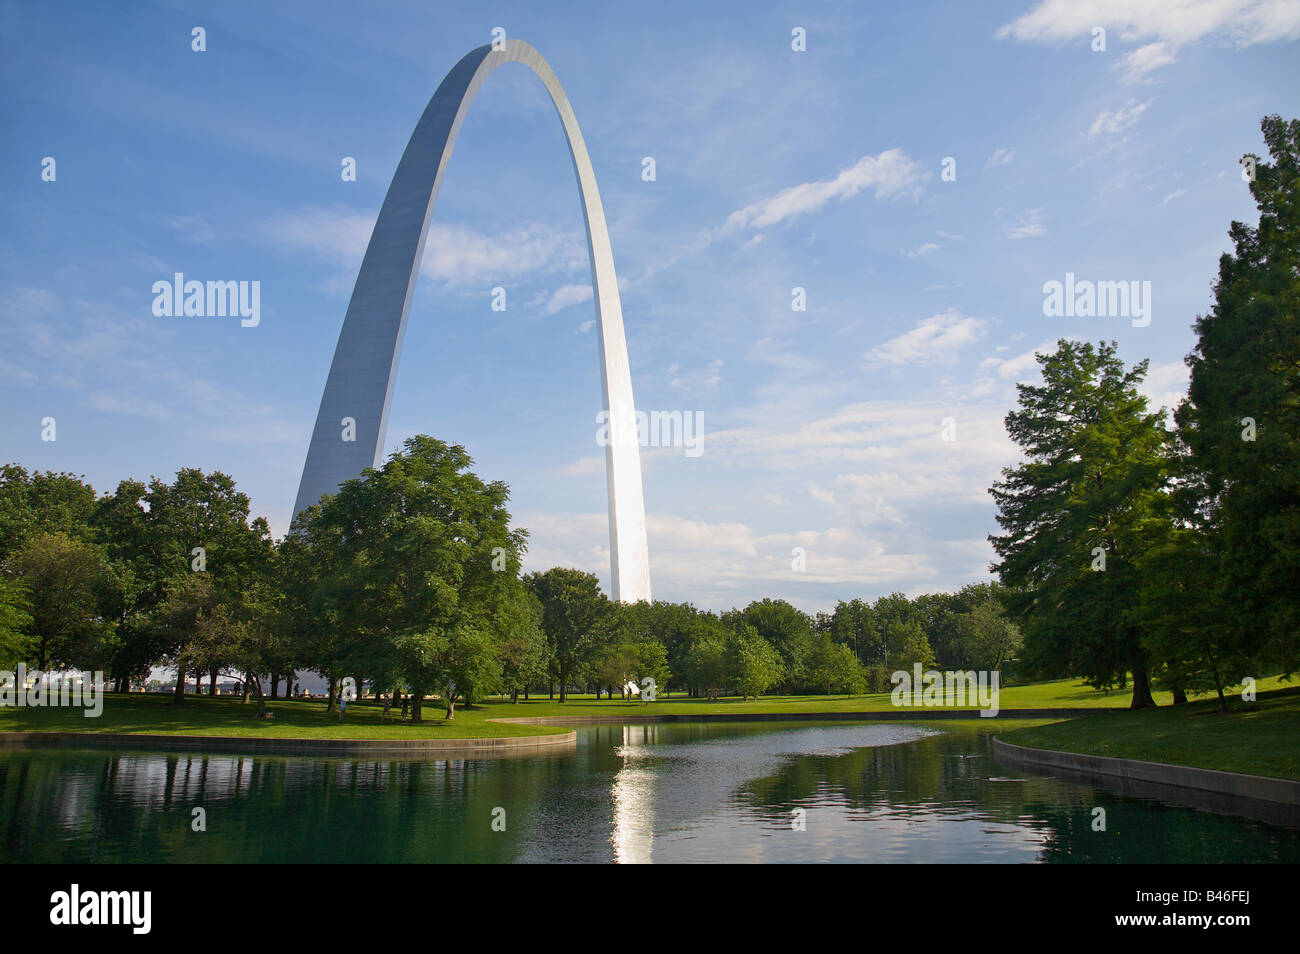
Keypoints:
(934, 340)
(1146, 59)
(453, 254)
(584, 466)
(1000, 157)
(891, 174)
(1163, 26)
(929, 248)
(1112, 123)
(1166, 383)
(1021, 367)
(567, 295)
(1173, 195)
(1028, 225)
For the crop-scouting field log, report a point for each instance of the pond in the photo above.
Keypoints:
(693, 792)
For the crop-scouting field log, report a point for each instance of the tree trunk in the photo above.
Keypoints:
(178, 694)
(212, 685)
(250, 679)
(1180, 696)
(275, 685)
(1223, 703)
(416, 699)
(1141, 685)
(333, 694)
(514, 696)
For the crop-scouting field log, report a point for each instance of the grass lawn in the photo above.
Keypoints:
(307, 719)
(1255, 738)
(148, 713)
(1058, 694)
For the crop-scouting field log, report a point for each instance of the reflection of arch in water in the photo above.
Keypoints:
(361, 377)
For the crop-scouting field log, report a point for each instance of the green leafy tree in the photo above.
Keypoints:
(15, 622)
(1077, 514)
(854, 624)
(786, 629)
(522, 651)
(575, 615)
(832, 668)
(421, 566)
(1241, 420)
(40, 503)
(752, 663)
(68, 581)
(1189, 623)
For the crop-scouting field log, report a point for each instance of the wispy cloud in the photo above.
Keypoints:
(453, 254)
(927, 248)
(1162, 27)
(1029, 224)
(1000, 157)
(566, 296)
(892, 174)
(1114, 122)
(934, 340)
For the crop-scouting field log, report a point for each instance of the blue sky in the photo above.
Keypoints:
(821, 169)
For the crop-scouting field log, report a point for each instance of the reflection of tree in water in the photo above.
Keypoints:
(628, 792)
(97, 807)
(955, 774)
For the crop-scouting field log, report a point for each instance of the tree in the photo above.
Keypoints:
(853, 624)
(574, 614)
(907, 645)
(66, 580)
(1077, 514)
(1241, 419)
(1188, 621)
(751, 662)
(422, 568)
(786, 629)
(987, 637)
(15, 622)
(832, 668)
(704, 663)
(522, 650)
(196, 525)
(40, 503)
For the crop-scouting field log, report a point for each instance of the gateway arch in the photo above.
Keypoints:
(361, 377)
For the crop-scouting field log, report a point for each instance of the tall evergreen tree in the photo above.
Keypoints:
(1077, 514)
(1241, 420)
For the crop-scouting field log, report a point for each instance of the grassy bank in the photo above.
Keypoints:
(1255, 738)
(224, 715)
(151, 714)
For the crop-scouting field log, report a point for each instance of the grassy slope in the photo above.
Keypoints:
(225, 715)
(308, 719)
(1059, 694)
(1259, 738)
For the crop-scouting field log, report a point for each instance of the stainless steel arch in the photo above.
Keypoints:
(361, 377)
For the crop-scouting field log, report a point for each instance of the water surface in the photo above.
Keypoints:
(757, 792)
